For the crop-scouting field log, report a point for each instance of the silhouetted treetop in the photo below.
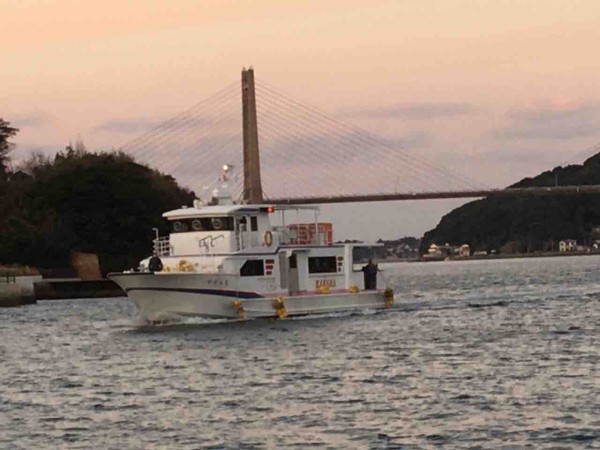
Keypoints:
(6, 132)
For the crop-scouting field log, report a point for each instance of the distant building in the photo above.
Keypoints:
(568, 245)
(439, 251)
(433, 250)
(406, 247)
(442, 251)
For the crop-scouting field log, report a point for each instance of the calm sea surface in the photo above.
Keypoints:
(498, 354)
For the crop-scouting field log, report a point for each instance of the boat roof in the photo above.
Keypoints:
(227, 210)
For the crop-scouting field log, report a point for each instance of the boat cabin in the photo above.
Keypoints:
(238, 243)
(215, 229)
(227, 229)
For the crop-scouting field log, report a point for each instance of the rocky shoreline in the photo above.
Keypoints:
(27, 290)
(488, 257)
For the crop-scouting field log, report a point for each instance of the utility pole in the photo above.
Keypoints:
(252, 184)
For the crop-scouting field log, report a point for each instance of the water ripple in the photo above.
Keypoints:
(498, 354)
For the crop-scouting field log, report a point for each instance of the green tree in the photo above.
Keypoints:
(103, 203)
(6, 132)
(526, 224)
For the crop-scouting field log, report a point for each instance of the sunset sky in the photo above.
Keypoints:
(497, 90)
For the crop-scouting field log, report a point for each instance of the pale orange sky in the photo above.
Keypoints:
(525, 71)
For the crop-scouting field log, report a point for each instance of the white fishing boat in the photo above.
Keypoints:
(227, 260)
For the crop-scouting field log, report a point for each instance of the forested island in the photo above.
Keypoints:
(526, 224)
(101, 203)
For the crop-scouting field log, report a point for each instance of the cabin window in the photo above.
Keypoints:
(180, 226)
(254, 223)
(360, 255)
(322, 264)
(202, 224)
(253, 268)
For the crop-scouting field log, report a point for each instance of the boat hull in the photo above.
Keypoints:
(172, 296)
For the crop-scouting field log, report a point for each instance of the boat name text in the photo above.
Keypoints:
(328, 282)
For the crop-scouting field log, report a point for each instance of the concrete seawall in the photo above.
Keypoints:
(27, 290)
(10, 295)
(72, 289)
(18, 292)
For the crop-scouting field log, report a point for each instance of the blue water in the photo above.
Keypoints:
(496, 354)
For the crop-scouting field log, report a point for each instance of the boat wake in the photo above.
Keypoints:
(174, 322)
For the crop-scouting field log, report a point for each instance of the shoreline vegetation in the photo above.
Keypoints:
(488, 257)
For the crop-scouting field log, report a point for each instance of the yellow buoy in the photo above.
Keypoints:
(239, 308)
(354, 289)
(185, 266)
(323, 290)
(280, 310)
(388, 296)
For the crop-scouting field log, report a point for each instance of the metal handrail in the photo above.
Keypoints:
(162, 246)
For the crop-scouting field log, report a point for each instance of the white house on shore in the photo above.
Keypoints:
(568, 245)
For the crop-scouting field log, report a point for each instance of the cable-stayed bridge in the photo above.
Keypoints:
(305, 155)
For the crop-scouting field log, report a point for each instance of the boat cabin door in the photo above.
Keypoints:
(292, 265)
(240, 232)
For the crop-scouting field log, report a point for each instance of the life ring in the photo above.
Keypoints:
(217, 224)
(268, 238)
(197, 224)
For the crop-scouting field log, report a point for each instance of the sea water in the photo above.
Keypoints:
(478, 354)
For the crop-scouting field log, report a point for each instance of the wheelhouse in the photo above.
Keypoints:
(229, 229)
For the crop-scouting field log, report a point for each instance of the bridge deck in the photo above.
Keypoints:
(554, 190)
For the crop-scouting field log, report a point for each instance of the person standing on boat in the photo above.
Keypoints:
(370, 274)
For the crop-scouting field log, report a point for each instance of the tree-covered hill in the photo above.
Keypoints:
(101, 203)
(522, 224)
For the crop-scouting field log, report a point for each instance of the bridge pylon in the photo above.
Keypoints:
(252, 183)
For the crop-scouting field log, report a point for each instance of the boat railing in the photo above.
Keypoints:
(294, 235)
(162, 246)
(282, 234)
